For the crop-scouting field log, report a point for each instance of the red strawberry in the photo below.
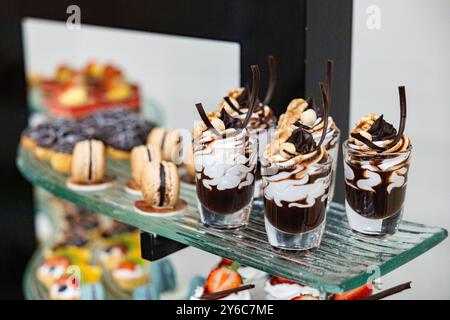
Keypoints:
(277, 280)
(127, 265)
(355, 294)
(225, 262)
(305, 297)
(222, 278)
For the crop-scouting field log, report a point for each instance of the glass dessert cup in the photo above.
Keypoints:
(295, 206)
(332, 147)
(375, 188)
(225, 179)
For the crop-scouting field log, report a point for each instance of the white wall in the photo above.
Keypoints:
(175, 71)
(412, 47)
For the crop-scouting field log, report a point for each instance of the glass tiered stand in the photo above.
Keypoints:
(344, 261)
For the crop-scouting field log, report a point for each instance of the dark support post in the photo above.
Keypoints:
(154, 247)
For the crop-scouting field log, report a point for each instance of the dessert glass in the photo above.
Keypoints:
(375, 187)
(225, 178)
(295, 201)
(331, 144)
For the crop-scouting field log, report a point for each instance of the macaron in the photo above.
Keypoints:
(88, 162)
(171, 146)
(141, 155)
(157, 137)
(160, 184)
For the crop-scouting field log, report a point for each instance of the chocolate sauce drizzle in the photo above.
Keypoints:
(228, 120)
(162, 184)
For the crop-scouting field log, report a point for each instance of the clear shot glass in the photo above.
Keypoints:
(375, 189)
(295, 202)
(225, 179)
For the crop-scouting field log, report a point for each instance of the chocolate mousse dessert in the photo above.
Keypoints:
(237, 103)
(225, 157)
(296, 179)
(307, 113)
(376, 163)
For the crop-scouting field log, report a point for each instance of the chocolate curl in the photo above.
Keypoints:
(389, 292)
(253, 95)
(329, 79)
(272, 79)
(231, 105)
(367, 142)
(205, 119)
(219, 294)
(401, 128)
(324, 92)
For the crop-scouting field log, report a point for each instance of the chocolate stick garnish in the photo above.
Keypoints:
(272, 79)
(329, 79)
(205, 119)
(389, 292)
(253, 95)
(401, 128)
(324, 92)
(231, 105)
(366, 141)
(220, 294)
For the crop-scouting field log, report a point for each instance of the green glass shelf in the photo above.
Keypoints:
(344, 260)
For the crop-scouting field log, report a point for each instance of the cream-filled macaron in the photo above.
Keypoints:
(157, 137)
(160, 184)
(141, 155)
(88, 162)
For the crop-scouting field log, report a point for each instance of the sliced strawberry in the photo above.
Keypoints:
(127, 265)
(278, 280)
(305, 297)
(222, 278)
(355, 294)
(225, 262)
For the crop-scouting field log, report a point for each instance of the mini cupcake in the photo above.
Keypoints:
(277, 288)
(129, 275)
(113, 255)
(219, 279)
(65, 288)
(52, 269)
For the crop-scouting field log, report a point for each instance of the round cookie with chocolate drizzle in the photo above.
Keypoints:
(141, 155)
(88, 167)
(160, 186)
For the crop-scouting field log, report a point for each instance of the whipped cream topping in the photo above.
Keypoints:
(125, 273)
(248, 273)
(394, 160)
(286, 291)
(241, 295)
(292, 180)
(225, 163)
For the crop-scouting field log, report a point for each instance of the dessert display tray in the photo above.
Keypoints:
(345, 260)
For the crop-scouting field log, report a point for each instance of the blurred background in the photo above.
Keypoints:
(377, 45)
